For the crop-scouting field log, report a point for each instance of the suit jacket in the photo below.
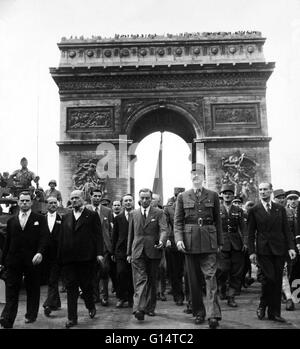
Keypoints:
(82, 240)
(106, 219)
(269, 234)
(144, 234)
(169, 211)
(120, 236)
(21, 245)
(189, 209)
(234, 229)
(51, 252)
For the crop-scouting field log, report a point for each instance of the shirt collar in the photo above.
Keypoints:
(79, 211)
(27, 213)
(51, 214)
(264, 203)
(147, 209)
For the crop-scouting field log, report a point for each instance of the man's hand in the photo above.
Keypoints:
(220, 248)
(37, 259)
(100, 259)
(113, 258)
(129, 259)
(180, 246)
(298, 247)
(159, 245)
(168, 243)
(292, 254)
(245, 248)
(253, 258)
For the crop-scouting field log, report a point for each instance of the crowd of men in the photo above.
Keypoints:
(202, 242)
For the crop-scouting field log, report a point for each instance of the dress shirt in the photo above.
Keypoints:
(51, 218)
(264, 203)
(97, 209)
(143, 210)
(23, 218)
(77, 214)
(127, 214)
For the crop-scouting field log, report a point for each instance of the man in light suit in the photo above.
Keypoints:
(26, 241)
(198, 233)
(269, 242)
(147, 235)
(80, 246)
(104, 270)
(52, 301)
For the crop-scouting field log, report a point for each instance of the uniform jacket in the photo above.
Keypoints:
(106, 219)
(51, 252)
(21, 245)
(234, 229)
(144, 234)
(292, 220)
(298, 225)
(120, 236)
(169, 211)
(82, 240)
(196, 238)
(269, 234)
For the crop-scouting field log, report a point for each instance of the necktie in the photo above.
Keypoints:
(97, 209)
(145, 214)
(268, 208)
(126, 216)
(198, 193)
(23, 220)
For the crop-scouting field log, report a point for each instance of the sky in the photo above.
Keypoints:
(29, 101)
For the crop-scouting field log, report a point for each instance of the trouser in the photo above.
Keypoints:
(144, 272)
(53, 298)
(79, 274)
(286, 288)
(12, 289)
(162, 274)
(271, 282)
(230, 268)
(175, 264)
(124, 290)
(205, 263)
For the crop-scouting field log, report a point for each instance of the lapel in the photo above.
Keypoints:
(29, 221)
(69, 217)
(204, 194)
(150, 216)
(268, 218)
(274, 215)
(192, 195)
(17, 222)
(82, 219)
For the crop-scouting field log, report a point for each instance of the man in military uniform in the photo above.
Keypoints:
(279, 196)
(22, 178)
(52, 192)
(198, 233)
(231, 257)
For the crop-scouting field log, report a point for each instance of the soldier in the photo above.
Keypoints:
(231, 257)
(198, 233)
(52, 192)
(279, 196)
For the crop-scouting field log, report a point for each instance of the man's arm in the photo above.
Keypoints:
(6, 243)
(44, 238)
(179, 219)
(115, 235)
(242, 228)
(130, 234)
(98, 234)
(217, 220)
(287, 231)
(251, 229)
(164, 230)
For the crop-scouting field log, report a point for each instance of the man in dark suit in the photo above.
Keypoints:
(26, 241)
(269, 241)
(124, 291)
(198, 233)
(103, 271)
(147, 235)
(80, 245)
(52, 301)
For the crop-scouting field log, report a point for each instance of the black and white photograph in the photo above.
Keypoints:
(149, 167)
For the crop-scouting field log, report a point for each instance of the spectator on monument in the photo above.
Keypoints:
(53, 192)
(174, 258)
(52, 301)
(198, 233)
(146, 237)
(269, 241)
(80, 246)
(25, 244)
(124, 285)
(103, 271)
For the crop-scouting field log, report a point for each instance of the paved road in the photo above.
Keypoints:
(169, 316)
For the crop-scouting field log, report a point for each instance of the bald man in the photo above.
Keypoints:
(80, 247)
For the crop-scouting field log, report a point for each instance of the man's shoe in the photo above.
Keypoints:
(71, 323)
(120, 304)
(104, 302)
(139, 315)
(163, 297)
(151, 313)
(199, 320)
(213, 323)
(47, 311)
(92, 312)
(261, 312)
(276, 318)
(231, 302)
(29, 320)
(5, 324)
(290, 305)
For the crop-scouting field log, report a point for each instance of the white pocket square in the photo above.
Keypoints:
(153, 220)
(58, 222)
(105, 218)
(36, 223)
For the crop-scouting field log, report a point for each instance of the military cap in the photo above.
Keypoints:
(227, 187)
(278, 192)
(292, 193)
(178, 190)
(197, 167)
(237, 199)
(52, 181)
